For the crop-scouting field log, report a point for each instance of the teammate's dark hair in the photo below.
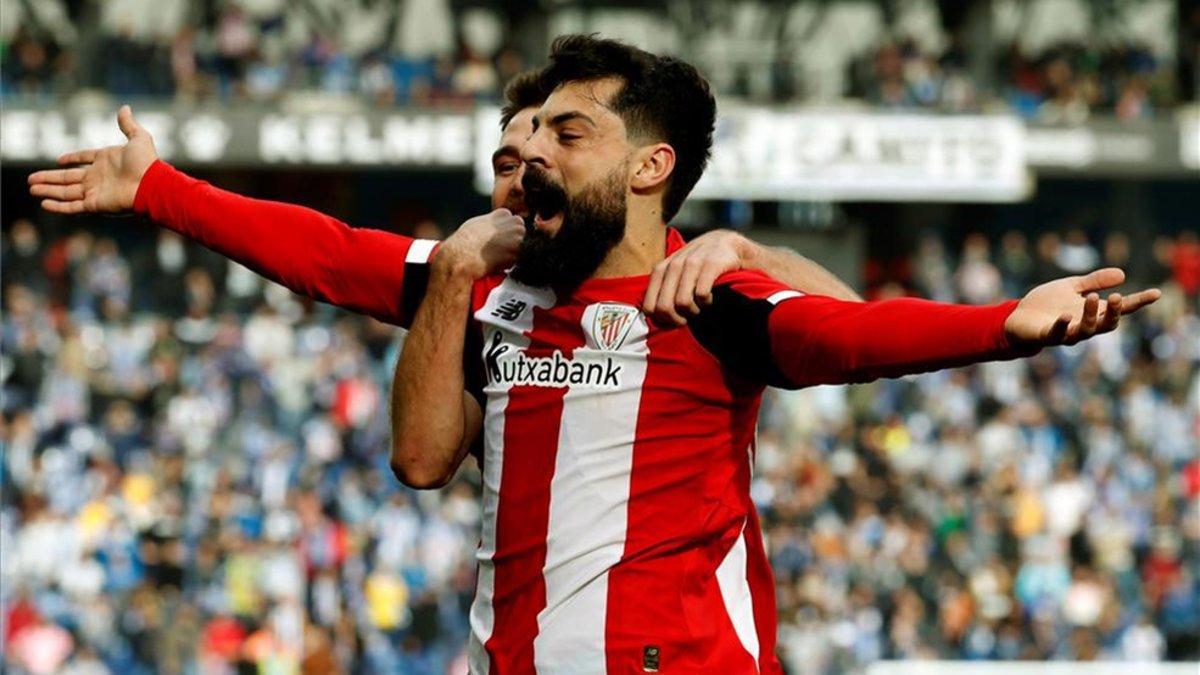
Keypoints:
(662, 99)
(523, 91)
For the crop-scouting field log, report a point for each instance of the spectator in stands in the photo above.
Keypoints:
(1185, 264)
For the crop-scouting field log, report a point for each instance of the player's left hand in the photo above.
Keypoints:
(1066, 311)
(682, 283)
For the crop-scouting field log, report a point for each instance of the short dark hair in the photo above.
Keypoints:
(661, 98)
(523, 91)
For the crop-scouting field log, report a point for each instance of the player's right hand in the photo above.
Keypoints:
(483, 245)
(102, 180)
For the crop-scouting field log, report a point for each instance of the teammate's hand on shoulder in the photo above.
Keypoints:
(682, 284)
(100, 180)
(1066, 311)
(482, 245)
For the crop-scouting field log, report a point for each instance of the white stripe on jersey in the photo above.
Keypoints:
(735, 592)
(589, 493)
(482, 610)
(419, 250)
(779, 296)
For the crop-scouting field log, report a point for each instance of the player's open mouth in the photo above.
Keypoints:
(545, 209)
(548, 224)
(546, 201)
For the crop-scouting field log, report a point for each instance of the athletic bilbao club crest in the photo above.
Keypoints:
(611, 324)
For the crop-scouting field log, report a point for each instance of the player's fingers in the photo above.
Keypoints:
(1133, 303)
(128, 125)
(685, 294)
(1091, 312)
(1058, 332)
(56, 176)
(665, 305)
(511, 240)
(64, 193)
(514, 224)
(1100, 279)
(704, 284)
(1111, 316)
(78, 157)
(68, 208)
(650, 302)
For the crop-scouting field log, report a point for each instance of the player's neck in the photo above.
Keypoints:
(636, 254)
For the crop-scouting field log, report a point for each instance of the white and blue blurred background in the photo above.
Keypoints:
(193, 475)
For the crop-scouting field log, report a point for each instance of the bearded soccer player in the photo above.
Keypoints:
(618, 531)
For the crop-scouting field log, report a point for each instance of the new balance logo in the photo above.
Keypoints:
(510, 310)
(651, 656)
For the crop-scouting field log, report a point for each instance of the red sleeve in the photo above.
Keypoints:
(372, 272)
(822, 340)
(786, 338)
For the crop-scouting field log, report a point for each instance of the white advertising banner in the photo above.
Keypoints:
(252, 137)
(758, 153)
(771, 154)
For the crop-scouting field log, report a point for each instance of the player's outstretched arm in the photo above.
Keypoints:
(683, 283)
(821, 341)
(434, 420)
(769, 333)
(308, 252)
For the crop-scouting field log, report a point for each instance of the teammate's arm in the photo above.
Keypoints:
(308, 252)
(797, 271)
(683, 283)
(785, 338)
(434, 420)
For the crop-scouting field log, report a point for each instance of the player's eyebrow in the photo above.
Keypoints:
(506, 151)
(564, 117)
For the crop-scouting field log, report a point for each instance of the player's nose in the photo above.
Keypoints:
(534, 151)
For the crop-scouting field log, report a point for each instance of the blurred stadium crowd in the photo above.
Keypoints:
(1053, 60)
(1063, 84)
(193, 472)
(192, 476)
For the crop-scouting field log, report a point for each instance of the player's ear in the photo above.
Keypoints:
(652, 166)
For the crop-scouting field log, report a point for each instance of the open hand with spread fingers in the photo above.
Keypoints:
(1066, 311)
(100, 180)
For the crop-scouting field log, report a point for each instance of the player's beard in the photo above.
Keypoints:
(593, 223)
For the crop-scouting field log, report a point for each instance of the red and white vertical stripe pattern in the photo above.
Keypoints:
(483, 617)
(625, 540)
(589, 494)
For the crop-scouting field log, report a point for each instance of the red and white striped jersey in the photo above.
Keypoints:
(618, 531)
